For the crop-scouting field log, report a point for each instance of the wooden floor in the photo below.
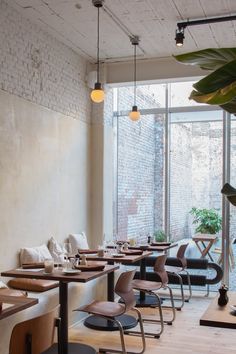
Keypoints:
(185, 336)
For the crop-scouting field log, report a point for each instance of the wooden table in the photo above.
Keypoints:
(160, 248)
(83, 277)
(203, 239)
(14, 304)
(217, 316)
(127, 321)
(150, 247)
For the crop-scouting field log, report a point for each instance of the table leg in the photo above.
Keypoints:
(206, 250)
(67, 348)
(143, 300)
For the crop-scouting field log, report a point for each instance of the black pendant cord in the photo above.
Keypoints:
(135, 85)
(98, 37)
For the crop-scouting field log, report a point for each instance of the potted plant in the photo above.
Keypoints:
(208, 220)
(160, 236)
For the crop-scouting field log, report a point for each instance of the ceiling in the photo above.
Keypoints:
(74, 22)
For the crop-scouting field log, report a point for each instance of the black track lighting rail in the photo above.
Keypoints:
(187, 23)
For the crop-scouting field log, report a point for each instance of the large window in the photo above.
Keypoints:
(168, 162)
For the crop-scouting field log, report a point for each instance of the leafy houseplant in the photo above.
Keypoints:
(160, 236)
(219, 87)
(208, 220)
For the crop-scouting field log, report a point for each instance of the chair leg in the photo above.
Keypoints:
(181, 290)
(189, 286)
(161, 320)
(124, 351)
(169, 322)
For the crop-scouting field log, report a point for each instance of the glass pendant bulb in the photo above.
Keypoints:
(97, 95)
(134, 114)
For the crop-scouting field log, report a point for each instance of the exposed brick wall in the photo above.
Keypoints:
(140, 199)
(196, 173)
(180, 180)
(39, 68)
(195, 170)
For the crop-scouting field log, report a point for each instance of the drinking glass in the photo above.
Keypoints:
(58, 253)
(67, 250)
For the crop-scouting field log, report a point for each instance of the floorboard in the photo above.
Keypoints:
(185, 336)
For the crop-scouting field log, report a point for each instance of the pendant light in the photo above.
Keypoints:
(97, 95)
(134, 114)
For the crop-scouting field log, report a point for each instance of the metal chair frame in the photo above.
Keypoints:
(176, 271)
(123, 289)
(151, 288)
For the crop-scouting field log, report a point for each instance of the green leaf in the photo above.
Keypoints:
(230, 106)
(220, 78)
(219, 97)
(208, 59)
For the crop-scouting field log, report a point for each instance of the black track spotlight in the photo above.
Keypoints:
(179, 34)
(179, 37)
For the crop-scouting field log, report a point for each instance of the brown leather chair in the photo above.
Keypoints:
(110, 310)
(36, 335)
(176, 270)
(151, 288)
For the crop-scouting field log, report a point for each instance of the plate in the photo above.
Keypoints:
(118, 255)
(71, 271)
(133, 252)
(161, 244)
(233, 307)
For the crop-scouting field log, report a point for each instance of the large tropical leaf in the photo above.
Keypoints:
(208, 59)
(230, 106)
(218, 79)
(219, 97)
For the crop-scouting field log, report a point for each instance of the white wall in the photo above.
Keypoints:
(45, 155)
(44, 176)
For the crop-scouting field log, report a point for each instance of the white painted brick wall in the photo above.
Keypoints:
(39, 68)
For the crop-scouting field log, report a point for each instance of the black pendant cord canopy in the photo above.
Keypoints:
(97, 95)
(135, 114)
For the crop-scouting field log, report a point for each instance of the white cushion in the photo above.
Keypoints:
(56, 250)
(78, 241)
(34, 254)
(3, 285)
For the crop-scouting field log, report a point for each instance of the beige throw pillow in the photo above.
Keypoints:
(34, 254)
(56, 250)
(78, 241)
(3, 285)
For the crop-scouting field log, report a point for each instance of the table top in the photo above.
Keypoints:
(13, 304)
(204, 237)
(159, 248)
(122, 259)
(220, 316)
(82, 277)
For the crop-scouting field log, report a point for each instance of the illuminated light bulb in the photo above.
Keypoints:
(97, 95)
(134, 114)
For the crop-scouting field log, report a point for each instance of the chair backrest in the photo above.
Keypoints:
(159, 268)
(180, 254)
(35, 335)
(124, 289)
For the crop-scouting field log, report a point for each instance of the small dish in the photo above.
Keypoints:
(71, 271)
(118, 255)
(233, 307)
